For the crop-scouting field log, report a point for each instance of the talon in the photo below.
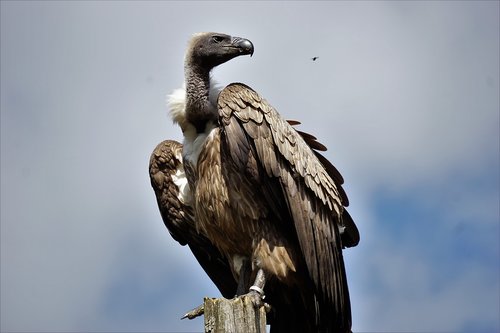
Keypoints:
(196, 312)
(256, 298)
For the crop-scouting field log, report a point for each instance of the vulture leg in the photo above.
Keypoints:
(256, 292)
(245, 272)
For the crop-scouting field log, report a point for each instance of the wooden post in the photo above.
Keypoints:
(237, 315)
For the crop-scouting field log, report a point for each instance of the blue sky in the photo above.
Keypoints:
(404, 94)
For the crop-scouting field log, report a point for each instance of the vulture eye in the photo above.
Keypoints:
(217, 39)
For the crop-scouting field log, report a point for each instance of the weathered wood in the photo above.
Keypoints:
(237, 315)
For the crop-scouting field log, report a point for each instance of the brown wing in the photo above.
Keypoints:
(166, 174)
(164, 164)
(349, 232)
(313, 199)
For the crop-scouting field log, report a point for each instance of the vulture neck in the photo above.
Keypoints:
(199, 110)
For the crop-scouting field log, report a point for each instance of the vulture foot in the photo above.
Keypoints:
(257, 299)
(196, 312)
(256, 292)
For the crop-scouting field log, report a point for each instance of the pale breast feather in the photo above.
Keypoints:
(193, 141)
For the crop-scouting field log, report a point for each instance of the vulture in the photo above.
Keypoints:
(260, 208)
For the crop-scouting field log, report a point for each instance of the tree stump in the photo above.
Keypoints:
(237, 315)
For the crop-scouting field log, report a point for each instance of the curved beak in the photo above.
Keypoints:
(244, 45)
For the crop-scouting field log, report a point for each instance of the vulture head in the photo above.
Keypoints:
(210, 49)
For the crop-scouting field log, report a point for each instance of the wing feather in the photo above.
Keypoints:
(312, 141)
(164, 165)
(311, 194)
(166, 170)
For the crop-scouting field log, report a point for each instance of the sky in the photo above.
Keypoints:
(405, 94)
